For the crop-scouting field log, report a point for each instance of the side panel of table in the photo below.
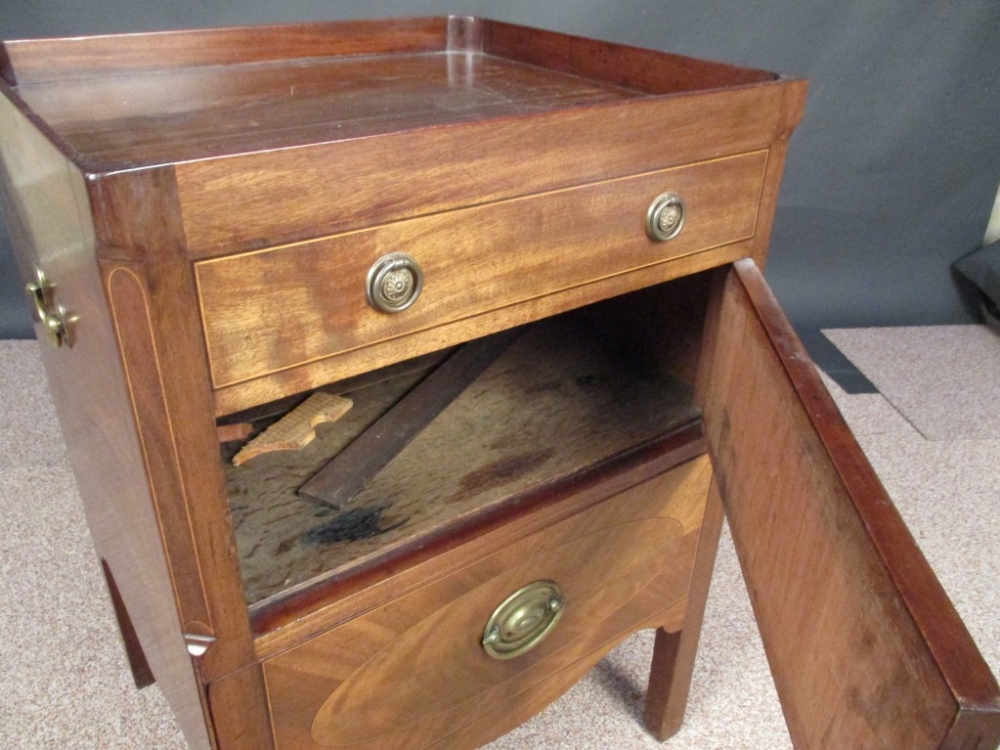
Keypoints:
(48, 213)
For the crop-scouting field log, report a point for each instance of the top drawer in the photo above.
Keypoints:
(271, 310)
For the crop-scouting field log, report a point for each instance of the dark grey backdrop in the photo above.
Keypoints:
(891, 176)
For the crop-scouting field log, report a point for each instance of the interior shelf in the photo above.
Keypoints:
(563, 398)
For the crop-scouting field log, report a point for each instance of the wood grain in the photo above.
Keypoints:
(505, 714)
(234, 432)
(336, 484)
(555, 405)
(246, 201)
(251, 393)
(156, 319)
(674, 652)
(142, 674)
(48, 60)
(631, 579)
(650, 71)
(792, 108)
(90, 57)
(272, 310)
(198, 112)
(865, 647)
(129, 307)
(253, 99)
(49, 216)
(237, 720)
(297, 428)
(282, 623)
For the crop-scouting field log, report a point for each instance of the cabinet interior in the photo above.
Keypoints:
(570, 394)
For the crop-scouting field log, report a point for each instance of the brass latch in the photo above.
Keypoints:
(56, 321)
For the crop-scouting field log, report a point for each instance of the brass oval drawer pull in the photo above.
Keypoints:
(394, 283)
(523, 620)
(55, 319)
(665, 217)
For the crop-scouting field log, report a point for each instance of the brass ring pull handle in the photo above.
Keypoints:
(394, 283)
(523, 620)
(55, 319)
(665, 217)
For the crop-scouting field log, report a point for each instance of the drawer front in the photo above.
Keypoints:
(275, 309)
(413, 673)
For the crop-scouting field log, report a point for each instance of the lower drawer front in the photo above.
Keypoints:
(413, 673)
(267, 311)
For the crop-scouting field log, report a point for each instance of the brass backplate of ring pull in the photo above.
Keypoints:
(523, 620)
(665, 217)
(57, 322)
(394, 283)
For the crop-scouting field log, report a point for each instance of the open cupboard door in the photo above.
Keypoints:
(865, 647)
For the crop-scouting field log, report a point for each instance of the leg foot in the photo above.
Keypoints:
(674, 653)
(141, 672)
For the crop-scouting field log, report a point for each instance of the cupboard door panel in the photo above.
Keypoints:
(865, 647)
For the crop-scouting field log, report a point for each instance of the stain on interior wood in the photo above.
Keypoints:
(505, 469)
(352, 525)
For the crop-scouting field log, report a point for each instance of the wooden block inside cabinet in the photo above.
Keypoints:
(214, 225)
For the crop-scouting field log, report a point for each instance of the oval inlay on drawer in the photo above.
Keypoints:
(439, 664)
(270, 310)
(412, 672)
